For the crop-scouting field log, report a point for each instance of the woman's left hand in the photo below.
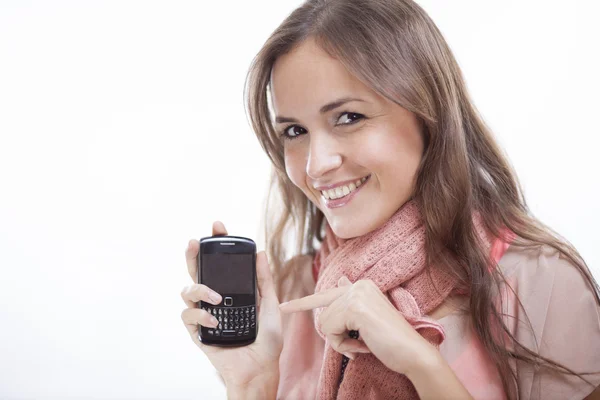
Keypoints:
(383, 330)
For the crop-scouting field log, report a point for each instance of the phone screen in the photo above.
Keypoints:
(228, 273)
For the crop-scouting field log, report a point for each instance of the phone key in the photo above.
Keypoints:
(211, 332)
(228, 333)
(217, 332)
(246, 332)
(252, 325)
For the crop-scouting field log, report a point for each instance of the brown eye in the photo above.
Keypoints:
(348, 118)
(293, 131)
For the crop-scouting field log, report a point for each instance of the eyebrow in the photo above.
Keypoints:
(326, 108)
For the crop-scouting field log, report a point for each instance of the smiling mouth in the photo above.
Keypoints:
(343, 191)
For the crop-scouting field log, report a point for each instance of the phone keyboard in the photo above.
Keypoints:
(233, 321)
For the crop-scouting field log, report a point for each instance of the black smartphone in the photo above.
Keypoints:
(227, 265)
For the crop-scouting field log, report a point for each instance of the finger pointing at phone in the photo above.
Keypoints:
(361, 306)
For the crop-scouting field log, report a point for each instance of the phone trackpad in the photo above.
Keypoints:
(228, 333)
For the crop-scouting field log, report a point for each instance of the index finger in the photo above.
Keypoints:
(191, 252)
(321, 299)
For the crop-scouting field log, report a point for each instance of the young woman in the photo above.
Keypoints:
(418, 270)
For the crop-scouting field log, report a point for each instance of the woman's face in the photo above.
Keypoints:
(340, 132)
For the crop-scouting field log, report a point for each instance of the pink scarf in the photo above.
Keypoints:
(392, 256)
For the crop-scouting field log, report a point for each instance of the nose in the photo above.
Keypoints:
(324, 155)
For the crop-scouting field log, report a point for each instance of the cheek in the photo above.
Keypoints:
(295, 167)
(393, 154)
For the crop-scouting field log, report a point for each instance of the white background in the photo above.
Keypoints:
(123, 135)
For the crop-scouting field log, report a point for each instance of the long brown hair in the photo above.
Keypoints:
(396, 49)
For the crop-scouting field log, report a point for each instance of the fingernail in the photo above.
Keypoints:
(214, 297)
(349, 355)
(283, 304)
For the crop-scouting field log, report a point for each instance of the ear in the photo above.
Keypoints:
(344, 281)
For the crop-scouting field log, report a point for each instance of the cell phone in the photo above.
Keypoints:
(227, 265)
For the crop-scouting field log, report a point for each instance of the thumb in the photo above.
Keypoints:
(344, 281)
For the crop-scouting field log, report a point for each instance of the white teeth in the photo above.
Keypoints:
(342, 191)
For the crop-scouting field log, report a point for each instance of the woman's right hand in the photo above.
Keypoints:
(238, 366)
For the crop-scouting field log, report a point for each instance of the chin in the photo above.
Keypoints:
(351, 229)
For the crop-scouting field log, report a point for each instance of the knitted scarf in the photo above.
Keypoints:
(393, 257)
